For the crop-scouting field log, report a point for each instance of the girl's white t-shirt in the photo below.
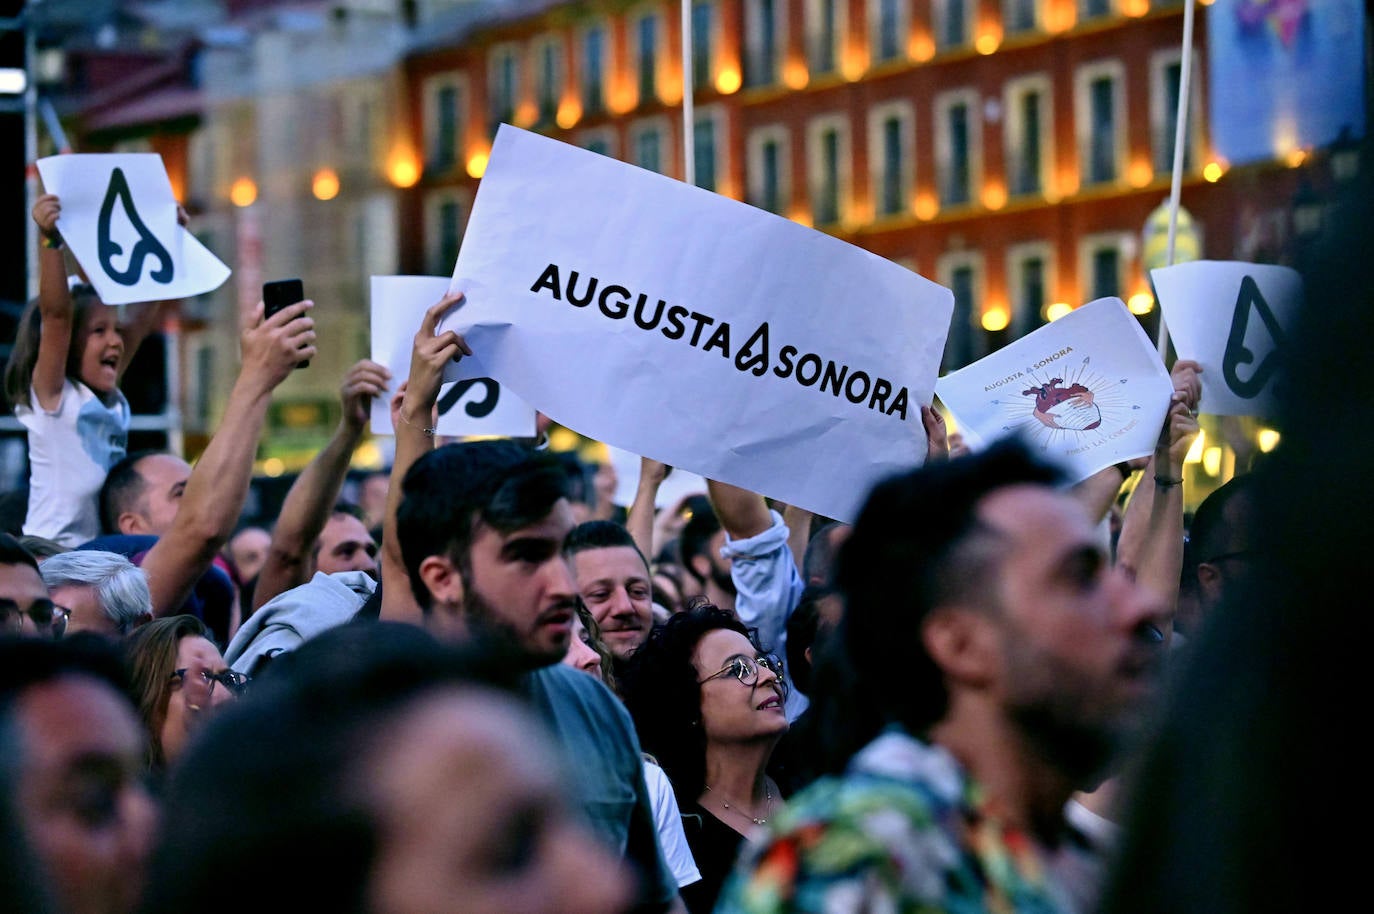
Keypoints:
(71, 449)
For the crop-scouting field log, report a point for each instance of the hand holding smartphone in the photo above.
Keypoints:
(279, 294)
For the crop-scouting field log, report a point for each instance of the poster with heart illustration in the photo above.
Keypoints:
(1086, 391)
(119, 218)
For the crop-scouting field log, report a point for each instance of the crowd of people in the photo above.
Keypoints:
(484, 687)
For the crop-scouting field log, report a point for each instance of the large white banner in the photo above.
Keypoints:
(475, 406)
(672, 322)
(119, 218)
(1231, 318)
(1087, 391)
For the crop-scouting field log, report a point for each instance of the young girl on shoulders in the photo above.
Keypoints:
(62, 380)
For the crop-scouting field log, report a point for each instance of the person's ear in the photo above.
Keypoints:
(132, 523)
(443, 580)
(1209, 583)
(963, 644)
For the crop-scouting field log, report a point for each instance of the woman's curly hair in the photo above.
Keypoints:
(660, 688)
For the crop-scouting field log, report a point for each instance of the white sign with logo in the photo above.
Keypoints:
(475, 406)
(676, 323)
(1231, 318)
(119, 218)
(1086, 391)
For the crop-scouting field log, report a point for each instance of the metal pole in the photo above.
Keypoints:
(31, 145)
(689, 164)
(1180, 139)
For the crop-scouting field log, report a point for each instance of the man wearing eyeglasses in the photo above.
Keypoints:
(1220, 549)
(26, 606)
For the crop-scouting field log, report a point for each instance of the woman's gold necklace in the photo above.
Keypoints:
(768, 799)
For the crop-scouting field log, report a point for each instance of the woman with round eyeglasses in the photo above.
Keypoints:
(707, 702)
(179, 677)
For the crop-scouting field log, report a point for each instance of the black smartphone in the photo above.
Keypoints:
(279, 294)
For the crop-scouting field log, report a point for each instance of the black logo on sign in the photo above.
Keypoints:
(146, 246)
(1238, 354)
(477, 409)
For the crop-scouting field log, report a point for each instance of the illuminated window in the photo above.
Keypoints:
(1100, 113)
(503, 85)
(1030, 277)
(769, 177)
(827, 158)
(548, 77)
(1103, 260)
(958, 158)
(445, 212)
(765, 30)
(891, 144)
(962, 273)
(889, 24)
(1020, 16)
(593, 72)
(648, 28)
(952, 18)
(648, 144)
(1166, 72)
(708, 147)
(445, 99)
(601, 141)
(1095, 9)
(1028, 134)
(825, 28)
(703, 43)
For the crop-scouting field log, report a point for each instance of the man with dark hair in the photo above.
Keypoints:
(613, 579)
(818, 562)
(142, 492)
(477, 529)
(1221, 548)
(315, 531)
(77, 769)
(699, 545)
(26, 606)
(996, 664)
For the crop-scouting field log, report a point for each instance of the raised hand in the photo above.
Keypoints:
(273, 346)
(430, 353)
(45, 214)
(363, 381)
(937, 436)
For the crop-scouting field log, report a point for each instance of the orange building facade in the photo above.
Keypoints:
(1012, 151)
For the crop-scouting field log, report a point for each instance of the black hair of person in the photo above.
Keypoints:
(450, 490)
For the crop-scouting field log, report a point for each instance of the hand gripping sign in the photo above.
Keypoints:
(473, 406)
(119, 218)
(672, 322)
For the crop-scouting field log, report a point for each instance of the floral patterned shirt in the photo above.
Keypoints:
(903, 831)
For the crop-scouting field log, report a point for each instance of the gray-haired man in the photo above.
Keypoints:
(106, 593)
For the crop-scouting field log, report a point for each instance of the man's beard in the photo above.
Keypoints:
(497, 640)
(721, 577)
